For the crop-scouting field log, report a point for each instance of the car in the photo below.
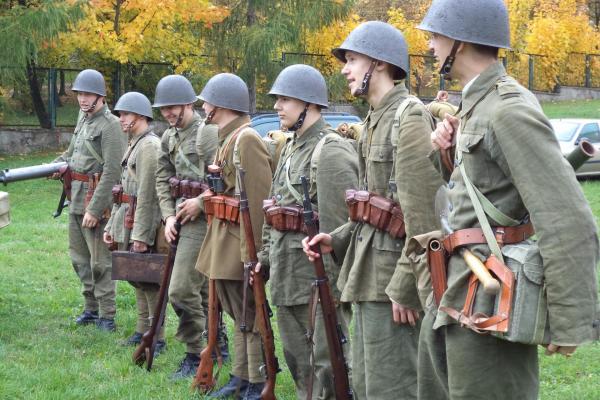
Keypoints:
(570, 132)
(264, 123)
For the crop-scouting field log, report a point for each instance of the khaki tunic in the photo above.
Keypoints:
(138, 179)
(102, 133)
(372, 256)
(291, 272)
(224, 249)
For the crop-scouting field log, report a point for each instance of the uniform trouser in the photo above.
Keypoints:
(93, 264)
(248, 358)
(188, 291)
(146, 296)
(384, 354)
(459, 364)
(293, 322)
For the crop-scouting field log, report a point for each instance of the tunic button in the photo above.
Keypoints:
(359, 238)
(451, 184)
(450, 207)
(278, 197)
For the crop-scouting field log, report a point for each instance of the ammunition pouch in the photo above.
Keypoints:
(437, 259)
(130, 214)
(378, 211)
(186, 188)
(224, 208)
(285, 218)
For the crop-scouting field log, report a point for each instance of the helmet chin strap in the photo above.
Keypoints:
(131, 125)
(210, 116)
(180, 117)
(300, 120)
(449, 61)
(364, 87)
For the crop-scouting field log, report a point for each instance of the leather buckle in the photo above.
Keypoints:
(499, 234)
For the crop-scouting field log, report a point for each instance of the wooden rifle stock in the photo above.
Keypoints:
(333, 331)
(144, 352)
(263, 311)
(205, 380)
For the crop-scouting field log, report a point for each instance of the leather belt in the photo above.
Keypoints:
(80, 177)
(504, 235)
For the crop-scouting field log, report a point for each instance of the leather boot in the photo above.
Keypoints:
(235, 387)
(188, 367)
(87, 317)
(106, 325)
(133, 340)
(253, 391)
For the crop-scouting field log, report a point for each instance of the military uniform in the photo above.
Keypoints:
(511, 155)
(188, 291)
(384, 354)
(97, 146)
(291, 273)
(224, 251)
(138, 179)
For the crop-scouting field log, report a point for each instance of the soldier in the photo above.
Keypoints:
(94, 157)
(227, 103)
(506, 149)
(137, 189)
(180, 176)
(396, 178)
(318, 152)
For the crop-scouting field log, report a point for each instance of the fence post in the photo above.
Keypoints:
(442, 82)
(588, 71)
(116, 84)
(530, 83)
(52, 97)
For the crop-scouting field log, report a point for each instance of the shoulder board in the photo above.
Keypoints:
(507, 87)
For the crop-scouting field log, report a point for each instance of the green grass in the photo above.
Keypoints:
(44, 355)
(572, 109)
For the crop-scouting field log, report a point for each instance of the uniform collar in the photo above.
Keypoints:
(95, 115)
(193, 124)
(311, 131)
(391, 98)
(232, 126)
(481, 86)
(136, 138)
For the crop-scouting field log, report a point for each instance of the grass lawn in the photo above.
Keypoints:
(573, 109)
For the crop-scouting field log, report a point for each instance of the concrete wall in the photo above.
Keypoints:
(565, 93)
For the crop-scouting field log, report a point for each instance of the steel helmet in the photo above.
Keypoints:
(227, 91)
(470, 21)
(91, 81)
(301, 82)
(173, 90)
(380, 41)
(135, 102)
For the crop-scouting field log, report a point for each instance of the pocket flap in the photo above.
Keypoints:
(381, 152)
(468, 140)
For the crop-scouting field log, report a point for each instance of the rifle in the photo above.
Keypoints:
(263, 311)
(39, 171)
(144, 352)
(205, 380)
(335, 337)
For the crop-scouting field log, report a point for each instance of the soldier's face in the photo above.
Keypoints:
(440, 45)
(354, 70)
(85, 100)
(126, 119)
(288, 110)
(171, 113)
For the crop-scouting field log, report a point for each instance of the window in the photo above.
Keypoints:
(590, 132)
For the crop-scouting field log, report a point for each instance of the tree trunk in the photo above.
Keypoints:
(61, 90)
(36, 96)
(250, 20)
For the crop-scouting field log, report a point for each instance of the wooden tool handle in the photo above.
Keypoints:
(490, 285)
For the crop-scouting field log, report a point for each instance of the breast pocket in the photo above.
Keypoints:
(381, 157)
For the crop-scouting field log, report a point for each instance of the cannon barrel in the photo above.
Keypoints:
(33, 172)
(583, 152)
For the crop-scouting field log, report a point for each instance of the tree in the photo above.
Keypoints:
(250, 41)
(25, 28)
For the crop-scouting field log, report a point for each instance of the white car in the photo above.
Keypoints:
(570, 132)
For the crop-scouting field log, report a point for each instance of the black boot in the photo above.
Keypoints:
(106, 324)
(87, 317)
(188, 367)
(161, 347)
(253, 391)
(235, 387)
(133, 340)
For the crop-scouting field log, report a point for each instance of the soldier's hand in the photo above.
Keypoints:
(55, 176)
(139, 247)
(107, 238)
(322, 239)
(404, 315)
(189, 210)
(256, 270)
(89, 221)
(170, 231)
(445, 133)
(566, 351)
(442, 95)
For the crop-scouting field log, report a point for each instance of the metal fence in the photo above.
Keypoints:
(537, 72)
